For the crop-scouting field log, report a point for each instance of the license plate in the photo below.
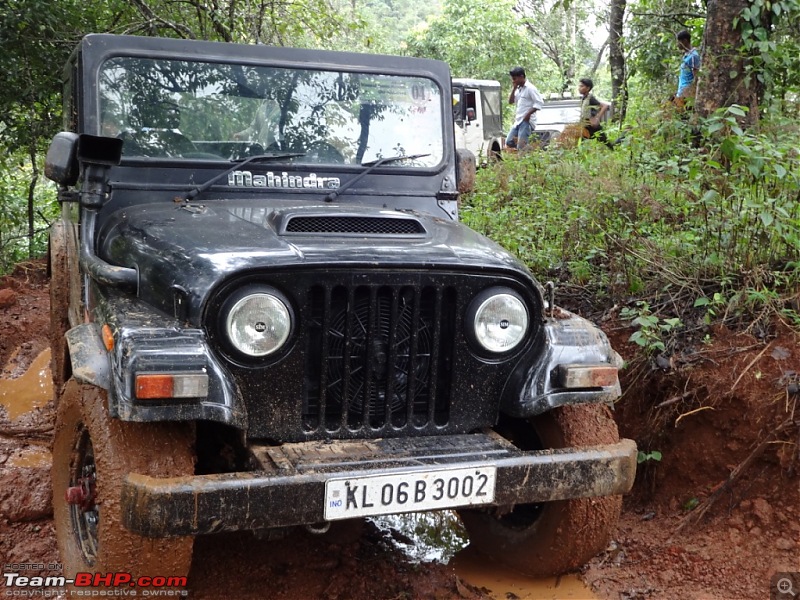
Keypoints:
(408, 492)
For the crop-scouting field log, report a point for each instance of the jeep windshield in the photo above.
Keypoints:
(184, 111)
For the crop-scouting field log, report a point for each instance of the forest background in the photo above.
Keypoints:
(693, 219)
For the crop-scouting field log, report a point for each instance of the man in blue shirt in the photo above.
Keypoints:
(690, 64)
(528, 100)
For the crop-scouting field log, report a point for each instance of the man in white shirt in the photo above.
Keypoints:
(528, 100)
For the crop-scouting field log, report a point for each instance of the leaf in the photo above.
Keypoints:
(737, 110)
(646, 321)
(638, 338)
(766, 218)
(733, 74)
(729, 148)
(780, 170)
(702, 302)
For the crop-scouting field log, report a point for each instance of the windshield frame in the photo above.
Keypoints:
(97, 54)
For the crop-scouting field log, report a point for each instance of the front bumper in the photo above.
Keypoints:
(289, 487)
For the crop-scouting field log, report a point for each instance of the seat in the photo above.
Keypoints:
(155, 131)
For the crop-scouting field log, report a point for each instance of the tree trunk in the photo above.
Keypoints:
(721, 80)
(616, 59)
(31, 198)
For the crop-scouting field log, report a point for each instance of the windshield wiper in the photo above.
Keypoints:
(371, 166)
(239, 164)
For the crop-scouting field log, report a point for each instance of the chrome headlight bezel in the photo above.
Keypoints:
(479, 327)
(277, 320)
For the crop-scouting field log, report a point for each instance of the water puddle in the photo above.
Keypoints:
(439, 536)
(30, 391)
(33, 457)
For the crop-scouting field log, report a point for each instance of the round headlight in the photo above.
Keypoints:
(500, 322)
(259, 324)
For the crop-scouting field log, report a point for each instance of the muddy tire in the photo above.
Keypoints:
(552, 537)
(59, 312)
(94, 452)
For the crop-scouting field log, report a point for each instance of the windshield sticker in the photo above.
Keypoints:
(282, 180)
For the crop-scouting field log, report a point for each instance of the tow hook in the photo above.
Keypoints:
(83, 494)
(318, 528)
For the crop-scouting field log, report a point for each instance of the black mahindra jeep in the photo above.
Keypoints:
(266, 314)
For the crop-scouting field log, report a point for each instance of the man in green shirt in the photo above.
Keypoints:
(592, 112)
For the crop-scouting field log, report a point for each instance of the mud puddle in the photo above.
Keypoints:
(439, 536)
(32, 390)
(32, 457)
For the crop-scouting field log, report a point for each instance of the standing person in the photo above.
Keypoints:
(528, 100)
(592, 112)
(690, 64)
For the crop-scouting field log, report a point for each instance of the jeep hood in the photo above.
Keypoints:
(194, 247)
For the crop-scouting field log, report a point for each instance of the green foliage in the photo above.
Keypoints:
(642, 457)
(651, 327)
(654, 54)
(481, 43)
(706, 210)
(713, 306)
(557, 31)
(15, 245)
(384, 25)
(691, 504)
(769, 31)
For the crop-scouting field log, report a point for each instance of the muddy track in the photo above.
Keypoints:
(723, 417)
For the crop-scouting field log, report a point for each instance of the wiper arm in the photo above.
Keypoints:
(239, 164)
(371, 166)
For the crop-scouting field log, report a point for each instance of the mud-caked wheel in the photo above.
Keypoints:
(92, 454)
(552, 537)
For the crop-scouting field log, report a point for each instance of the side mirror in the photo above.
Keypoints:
(466, 166)
(470, 115)
(68, 150)
(61, 163)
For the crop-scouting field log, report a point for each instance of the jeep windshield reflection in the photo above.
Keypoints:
(175, 109)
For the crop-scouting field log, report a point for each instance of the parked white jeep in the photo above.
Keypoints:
(478, 115)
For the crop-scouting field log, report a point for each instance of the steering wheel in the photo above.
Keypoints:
(323, 152)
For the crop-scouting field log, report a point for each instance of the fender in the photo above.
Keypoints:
(90, 360)
(63, 266)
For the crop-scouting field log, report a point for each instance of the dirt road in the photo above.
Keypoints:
(718, 517)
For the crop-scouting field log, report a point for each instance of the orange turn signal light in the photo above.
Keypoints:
(108, 337)
(152, 386)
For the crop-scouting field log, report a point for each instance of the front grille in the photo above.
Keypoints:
(376, 360)
(354, 225)
(374, 353)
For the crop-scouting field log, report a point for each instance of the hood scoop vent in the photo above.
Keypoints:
(379, 226)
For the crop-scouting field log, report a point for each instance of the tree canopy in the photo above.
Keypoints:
(750, 49)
